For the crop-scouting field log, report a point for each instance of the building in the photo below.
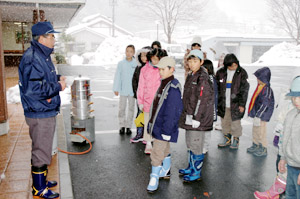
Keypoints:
(91, 32)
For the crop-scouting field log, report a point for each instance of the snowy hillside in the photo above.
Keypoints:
(281, 54)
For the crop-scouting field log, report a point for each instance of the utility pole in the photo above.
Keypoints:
(113, 3)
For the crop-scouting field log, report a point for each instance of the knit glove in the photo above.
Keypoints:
(256, 121)
(141, 107)
(195, 123)
(276, 140)
(188, 119)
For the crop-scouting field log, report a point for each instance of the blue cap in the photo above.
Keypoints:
(295, 88)
(42, 28)
(196, 53)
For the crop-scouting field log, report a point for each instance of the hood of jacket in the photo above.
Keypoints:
(138, 53)
(264, 75)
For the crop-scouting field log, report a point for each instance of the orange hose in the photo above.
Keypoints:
(78, 153)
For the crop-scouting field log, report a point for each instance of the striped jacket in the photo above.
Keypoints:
(264, 102)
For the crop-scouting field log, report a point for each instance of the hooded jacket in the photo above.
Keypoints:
(137, 71)
(167, 114)
(239, 92)
(123, 77)
(38, 82)
(198, 101)
(264, 102)
(149, 82)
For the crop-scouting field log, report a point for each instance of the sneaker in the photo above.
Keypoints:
(144, 142)
(261, 151)
(205, 150)
(148, 149)
(253, 148)
(128, 131)
(122, 131)
(139, 135)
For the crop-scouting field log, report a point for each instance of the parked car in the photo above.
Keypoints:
(177, 52)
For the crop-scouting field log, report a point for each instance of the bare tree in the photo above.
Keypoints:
(286, 13)
(170, 12)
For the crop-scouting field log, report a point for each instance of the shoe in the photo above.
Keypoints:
(218, 128)
(235, 143)
(165, 171)
(261, 151)
(189, 167)
(39, 186)
(122, 131)
(197, 163)
(154, 179)
(139, 135)
(276, 189)
(144, 142)
(205, 150)
(128, 131)
(253, 148)
(148, 149)
(226, 142)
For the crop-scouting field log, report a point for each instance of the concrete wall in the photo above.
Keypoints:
(246, 54)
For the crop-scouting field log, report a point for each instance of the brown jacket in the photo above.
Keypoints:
(198, 101)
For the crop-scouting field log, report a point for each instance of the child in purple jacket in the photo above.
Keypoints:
(261, 109)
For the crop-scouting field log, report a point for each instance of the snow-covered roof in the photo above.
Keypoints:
(91, 20)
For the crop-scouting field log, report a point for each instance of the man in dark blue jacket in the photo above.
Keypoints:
(39, 89)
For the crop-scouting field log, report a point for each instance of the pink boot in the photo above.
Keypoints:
(273, 193)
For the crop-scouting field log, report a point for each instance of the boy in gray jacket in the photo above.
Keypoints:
(289, 148)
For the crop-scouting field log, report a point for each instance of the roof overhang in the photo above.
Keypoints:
(60, 13)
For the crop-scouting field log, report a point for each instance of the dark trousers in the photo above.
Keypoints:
(41, 132)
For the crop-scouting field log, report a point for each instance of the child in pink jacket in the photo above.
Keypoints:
(149, 82)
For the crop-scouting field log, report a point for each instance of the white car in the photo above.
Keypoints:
(176, 52)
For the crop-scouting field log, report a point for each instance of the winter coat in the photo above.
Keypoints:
(123, 77)
(149, 82)
(239, 92)
(137, 71)
(264, 103)
(289, 148)
(165, 122)
(198, 101)
(38, 82)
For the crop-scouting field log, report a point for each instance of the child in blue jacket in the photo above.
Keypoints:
(261, 109)
(123, 86)
(164, 115)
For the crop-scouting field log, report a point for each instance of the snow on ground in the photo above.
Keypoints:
(281, 54)
(13, 95)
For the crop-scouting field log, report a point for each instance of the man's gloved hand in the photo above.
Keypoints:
(188, 119)
(256, 121)
(276, 140)
(195, 123)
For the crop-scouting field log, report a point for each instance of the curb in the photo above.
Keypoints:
(66, 190)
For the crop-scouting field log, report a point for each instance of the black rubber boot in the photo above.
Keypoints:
(122, 131)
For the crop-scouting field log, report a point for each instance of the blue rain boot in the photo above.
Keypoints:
(154, 179)
(197, 163)
(50, 183)
(165, 171)
(39, 186)
(189, 168)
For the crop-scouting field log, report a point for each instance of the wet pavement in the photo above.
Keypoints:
(117, 169)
